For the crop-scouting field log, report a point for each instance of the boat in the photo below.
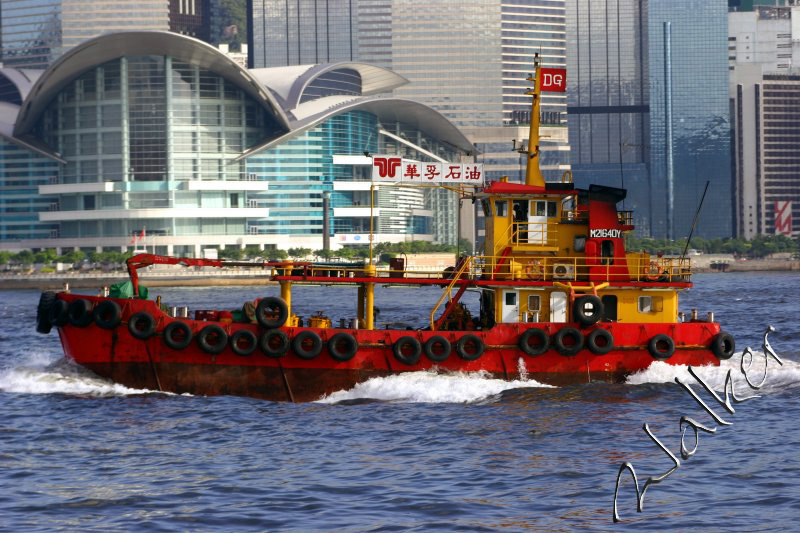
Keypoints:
(561, 302)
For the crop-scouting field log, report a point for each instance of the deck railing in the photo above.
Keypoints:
(634, 267)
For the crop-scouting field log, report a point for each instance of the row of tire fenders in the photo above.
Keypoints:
(272, 313)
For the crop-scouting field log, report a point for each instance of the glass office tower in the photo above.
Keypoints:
(302, 32)
(608, 97)
(701, 116)
(36, 32)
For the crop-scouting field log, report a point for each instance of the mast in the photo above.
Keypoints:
(533, 174)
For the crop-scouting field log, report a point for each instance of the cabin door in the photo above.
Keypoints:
(510, 307)
(538, 214)
(558, 307)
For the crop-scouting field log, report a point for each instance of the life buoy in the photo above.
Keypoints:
(212, 339)
(80, 313)
(274, 343)
(470, 347)
(437, 349)
(655, 273)
(177, 335)
(59, 313)
(307, 345)
(534, 271)
(107, 314)
(243, 342)
(46, 301)
(600, 341)
(587, 317)
(142, 325)
(661, 346)
(540, 344)
(342, 346)
(272, 312)
(723, 345)
(568, 341)
(407, 350)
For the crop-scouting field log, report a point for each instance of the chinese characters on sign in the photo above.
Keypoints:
(394, 169)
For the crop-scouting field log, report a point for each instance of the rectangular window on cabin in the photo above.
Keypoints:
(541, 208)
(651, 304)
(551, 209)
(500, 208)
(511, 298)
(534, 302)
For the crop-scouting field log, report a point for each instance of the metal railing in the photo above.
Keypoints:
(465, 267)
(633, 267)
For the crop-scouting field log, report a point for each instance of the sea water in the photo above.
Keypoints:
(422, 451)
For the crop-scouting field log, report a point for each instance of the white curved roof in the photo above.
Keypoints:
(389, 109)
(107, 47)
(290, 82)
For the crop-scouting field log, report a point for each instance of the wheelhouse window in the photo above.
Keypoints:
(500, 207)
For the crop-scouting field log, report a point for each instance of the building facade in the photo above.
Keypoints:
(765, 98)
(152, 139)
(35, 32)
(618, 109)
(302, 32)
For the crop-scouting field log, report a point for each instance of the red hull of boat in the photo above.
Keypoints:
(150, 364)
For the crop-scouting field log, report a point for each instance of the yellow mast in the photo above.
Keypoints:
(533, 174)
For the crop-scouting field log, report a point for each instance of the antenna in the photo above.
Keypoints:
(696, 215)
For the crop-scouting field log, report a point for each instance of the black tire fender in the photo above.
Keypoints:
(434, 343)
(584, 317)
(269, 306)
(59, 313)
(600, 341)
(212, 339)
(401, 349)
(274, 343)
(307, 345)
(723, 345)
(80, 313)
(46, 301)
(568, 349)
(540, 335)
(462, 347)
(248, 338)
(107, 314)
(177, 335)
(661, 346)
(142, 325)
(342, 346)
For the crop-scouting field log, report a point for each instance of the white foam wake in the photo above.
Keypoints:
(778, 376)
(39, 373)
(430, 387)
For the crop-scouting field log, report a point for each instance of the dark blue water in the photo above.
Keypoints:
(427, 452)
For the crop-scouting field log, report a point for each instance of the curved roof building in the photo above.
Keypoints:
(158, 140)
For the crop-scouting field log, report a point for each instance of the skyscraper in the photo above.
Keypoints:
(700, 105)
(765, 96)
(608, 95)
(302, 32)
(618, 108)
(36, 32)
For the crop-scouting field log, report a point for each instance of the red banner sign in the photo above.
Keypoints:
(553, 80)
(783, 218)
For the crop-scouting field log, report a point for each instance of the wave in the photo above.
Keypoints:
(778, 377)
(39, 373)
(430, 386)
